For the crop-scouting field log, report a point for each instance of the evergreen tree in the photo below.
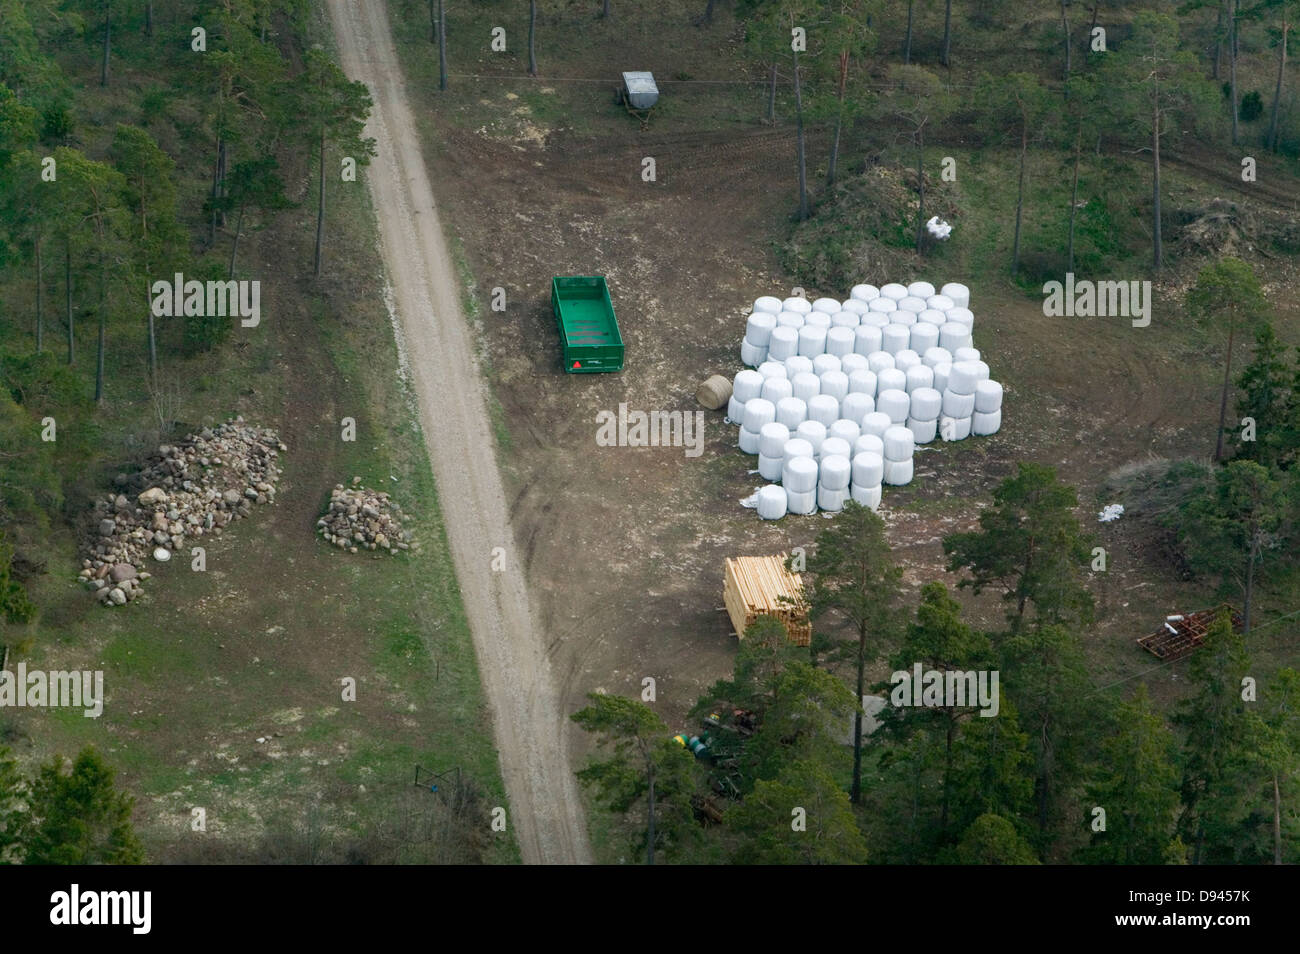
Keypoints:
(78, 817)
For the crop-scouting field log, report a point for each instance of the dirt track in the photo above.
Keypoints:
(545, 812)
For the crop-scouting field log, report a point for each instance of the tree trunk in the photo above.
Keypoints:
(40, 280)
(1069, 53)
(442, 46)
(1020, 195)
(99, 351)
(1232, 70)
(1218, 41)
(947, 32)
(1227, 378)
(650, 818)
(771, 98)
(839, 120)
(605, 11)
(1277, 822)
(216, 172)
(153, 337)
(108, 33)
(708, 11)
(1249, 601)
(234, 246)
(532, 34)
(67, 292)
(1277, 90)
(920, 185)
(855, 791)
(320, 205)
(148, 19)
(907, 37)
(222, 156)
(433, 22)
(1157, 246)
(804, 211)
(947, 772)
(1074, 196)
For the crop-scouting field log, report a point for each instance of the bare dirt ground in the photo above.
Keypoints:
(514, 657)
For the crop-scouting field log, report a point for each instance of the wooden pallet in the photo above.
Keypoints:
(1189, 633)
(754, 587)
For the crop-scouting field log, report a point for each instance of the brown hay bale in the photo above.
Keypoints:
(714, 393)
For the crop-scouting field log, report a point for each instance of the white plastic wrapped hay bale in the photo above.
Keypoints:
(772, 439)
(768, 305)
(877, 319)
(899, 443)
(735, 409)
(953, 335)
(853, 362)
(801, 504)
(898, 472)
(895, 338)
(825, 362)
(746, 386)
(758, 328)
(797, 304)
(846, 319)
(864, 292)
(919, 377)
(933, 357)
(940, 302)
(869, 444)
(791, 412)
(966, 354)
(747, 441)
(961, 316)
(941, 377)
(867, 339)
(783, 343)
(905, 318)
(906, 359)
(954, 428)
(985, 425)
(982, 370)
(988, 396)
(751, 354)
(924, 337)
(893, 290)
(957, 405)
(927, 404)
(856, 406)
(828, 306)
(895, 403)
(911, 303)
(835, 384)
(963, 377)
(798, 364)
(920, 290)
(832, 501)
(877, 422)
(776, 390)
(796, 447)
(846, 429)
(790, 319)
(879, 361)
(814, 432)
(868, 468)
(839, 341)
(855, 306)
(958, 292)
(768, 467)
(833, 472)
(891, 379)
(771, 502)
(818, 319)
(806, 386)
(923, 431)
(772, 369)
(867, 496)
(825, 409)
(799, 475)
(863, 381)
(932, 316)
(812, 340)
(882, 305)
(757, 413)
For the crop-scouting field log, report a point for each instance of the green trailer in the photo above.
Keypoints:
(589, 333)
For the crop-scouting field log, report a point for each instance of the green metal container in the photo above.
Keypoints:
(589, 336)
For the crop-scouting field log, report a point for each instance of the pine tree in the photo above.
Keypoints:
(78, 817)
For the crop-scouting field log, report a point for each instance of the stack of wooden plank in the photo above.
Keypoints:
(762, 586)
(1177, 638)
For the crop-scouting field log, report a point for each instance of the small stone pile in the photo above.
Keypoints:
(362, 519)
(194, 487)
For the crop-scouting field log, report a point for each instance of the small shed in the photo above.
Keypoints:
(762, 586)
(640, 89)
(1182, 634)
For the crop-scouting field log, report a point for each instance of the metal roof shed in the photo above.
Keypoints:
(642, 93)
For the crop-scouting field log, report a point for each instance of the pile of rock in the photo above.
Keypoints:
(362, 519)
(194, 487)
